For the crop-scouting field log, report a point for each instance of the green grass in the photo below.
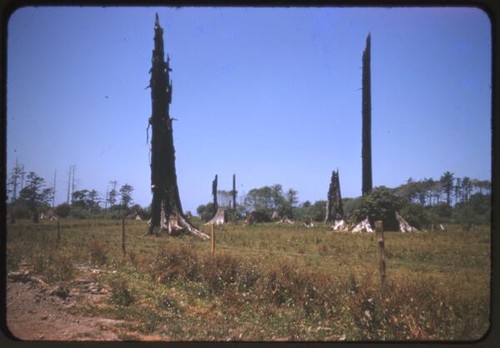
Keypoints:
(273, 282)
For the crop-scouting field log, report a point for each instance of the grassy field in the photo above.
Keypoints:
(272, 282)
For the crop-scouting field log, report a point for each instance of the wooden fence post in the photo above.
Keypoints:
(379, 228)
(58, 232)
(123, 238)
(212, 241)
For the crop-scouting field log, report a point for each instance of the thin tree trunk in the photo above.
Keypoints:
(214, 193)
(366, 152)
(234, 192)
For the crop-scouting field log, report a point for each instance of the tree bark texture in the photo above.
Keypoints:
(366, 152)
(166, 209)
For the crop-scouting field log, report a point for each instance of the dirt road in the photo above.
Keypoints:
(40, 311)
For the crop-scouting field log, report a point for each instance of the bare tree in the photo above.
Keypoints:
(334, 209)
(71, 182)
(214, 193)
(111, 196)
(234, 192)
(366, 152)
(166, 209)
(14, 181)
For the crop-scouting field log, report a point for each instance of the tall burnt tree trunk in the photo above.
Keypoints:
(338, 214)
(334, 209)
(366, 152)
(166, 209)
(234, 192)
(214, 193)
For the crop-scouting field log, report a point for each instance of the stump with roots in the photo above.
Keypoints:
(220, 218)
(404, 226)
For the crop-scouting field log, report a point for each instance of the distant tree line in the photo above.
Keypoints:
(448, 189)
(28, 195)
(423, 202)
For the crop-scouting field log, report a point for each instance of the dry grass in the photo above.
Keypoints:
(275, 282)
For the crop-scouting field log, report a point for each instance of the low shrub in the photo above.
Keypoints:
(175, 263)
(55, 266)
(97, 253)
(120, 292)
(221, 273)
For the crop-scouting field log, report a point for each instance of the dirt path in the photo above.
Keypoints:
(40, 311)
(34, 314)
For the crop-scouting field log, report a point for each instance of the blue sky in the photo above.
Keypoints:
(272, 95)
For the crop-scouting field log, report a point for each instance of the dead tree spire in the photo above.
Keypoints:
(366, 152)
(334, 209)
(214, 193)
(234, 192)
(166, 209)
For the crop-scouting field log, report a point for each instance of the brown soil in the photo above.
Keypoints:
(40, 311)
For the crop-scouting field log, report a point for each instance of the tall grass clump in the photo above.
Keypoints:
(55, 265)
(405, 309)
(121, 294)
(176, 263)
(98, 253)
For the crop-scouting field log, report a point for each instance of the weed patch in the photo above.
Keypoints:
(97, 253)
(121, 294)
(274, 282)
(176, 263)
(55, 265)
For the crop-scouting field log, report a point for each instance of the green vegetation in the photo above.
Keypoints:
(271, 281)
(423, 203)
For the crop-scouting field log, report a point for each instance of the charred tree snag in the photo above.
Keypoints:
(366, 152)
(234, 192)
(214, 193)
(334, 209)
(166, 209)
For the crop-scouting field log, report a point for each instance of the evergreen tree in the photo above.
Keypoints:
(447, 186)
(35, 194)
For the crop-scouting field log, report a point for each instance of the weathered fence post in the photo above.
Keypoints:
(379, 229)
(123, 238)
(58, 232)
(212, 241)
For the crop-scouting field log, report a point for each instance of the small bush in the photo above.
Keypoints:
(13, 260)
(221, 273)
(169, 303)
(176, 263)
(63, 210)
(56, 266)
(97, 253)
(120, 292)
